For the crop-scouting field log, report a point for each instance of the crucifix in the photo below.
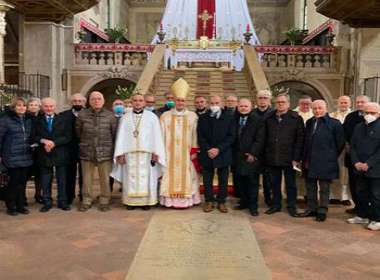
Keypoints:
(205, 17)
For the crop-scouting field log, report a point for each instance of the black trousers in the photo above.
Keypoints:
(15, 191)
(73, 169)
(47, 174)
(267, 186)
(290, 186)
(235, 182)
(208, 176)
(352, 178)
(249, 190)
(313, 204)
(368, 191)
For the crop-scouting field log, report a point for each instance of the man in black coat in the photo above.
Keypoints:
(284, 145)
(216, 134)
(169, 104)
(324, 142)
(53, 134)
(365, 157)
(250, 144)
(262, 111)
(78, 102)
(200, 103)
(349, 125)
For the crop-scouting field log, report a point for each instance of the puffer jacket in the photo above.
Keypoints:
(97, 133)
(15, 140)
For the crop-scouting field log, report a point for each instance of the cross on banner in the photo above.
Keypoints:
(205, 17)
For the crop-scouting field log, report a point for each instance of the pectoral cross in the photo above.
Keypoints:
(205, 17)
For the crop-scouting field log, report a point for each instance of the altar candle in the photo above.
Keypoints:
(248, 28)
(161, 27)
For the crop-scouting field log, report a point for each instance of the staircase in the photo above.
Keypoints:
(203, 82)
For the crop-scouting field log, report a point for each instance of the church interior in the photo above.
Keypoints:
(320, 48)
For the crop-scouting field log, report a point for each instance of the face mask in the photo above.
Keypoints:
(119, 109)
(214, 109)
(150, 108)
(77, 107)
(170, 104)
(370, 118)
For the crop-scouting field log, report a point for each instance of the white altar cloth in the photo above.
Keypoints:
(234, 58)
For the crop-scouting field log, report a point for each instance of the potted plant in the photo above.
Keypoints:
(295, 36)
(125, 92)
(116, 34)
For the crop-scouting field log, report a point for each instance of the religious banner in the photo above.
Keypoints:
(206, 18)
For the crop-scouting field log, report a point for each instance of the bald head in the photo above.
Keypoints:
(96, 100)
(231, 101)
(244, 106)
(49, 105)
(344, 103)
(319, 108)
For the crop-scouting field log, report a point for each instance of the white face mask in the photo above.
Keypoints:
(370, 118)
(214, 109)
(149, 108)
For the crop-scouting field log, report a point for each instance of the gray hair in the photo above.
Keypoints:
(33, 99)
(283, 95)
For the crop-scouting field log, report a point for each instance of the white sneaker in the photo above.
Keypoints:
(374, 226)
(357, 220)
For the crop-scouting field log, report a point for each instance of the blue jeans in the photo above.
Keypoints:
(290, 186)
(47, 174)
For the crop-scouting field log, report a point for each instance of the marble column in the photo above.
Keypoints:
(4, 7)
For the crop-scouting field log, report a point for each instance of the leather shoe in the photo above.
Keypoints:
(222, 208)
(23, 211)
(351, 211)
(208, 207)
(346, 202)
(254, 213)
(272, 210)
(321, 217)
(12, 212)
(145, 208)
(293, 212)
(335, 201)
(39, 199)
(307, 214)
(45, 208)
(65, 207)
(84, 207)
(130, 207)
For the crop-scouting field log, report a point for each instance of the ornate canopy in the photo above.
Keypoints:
(51, 10)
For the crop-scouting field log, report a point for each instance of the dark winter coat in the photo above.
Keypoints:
(216, 133)
(97, 133)
(15, 140)
(365, 147)
(61, 135)
(323, 147)
(284, 139)
(73, 146)
(251, 140)
(350, 122)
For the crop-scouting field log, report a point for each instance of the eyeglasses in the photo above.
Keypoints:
(371, 113)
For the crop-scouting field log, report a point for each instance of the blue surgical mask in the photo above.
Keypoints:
(119, 109)
(170, 104)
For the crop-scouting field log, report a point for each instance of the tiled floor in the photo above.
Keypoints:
(95, 245)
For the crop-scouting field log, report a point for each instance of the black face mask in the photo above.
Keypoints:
(200, 110)
(77, 107)
(243, 115)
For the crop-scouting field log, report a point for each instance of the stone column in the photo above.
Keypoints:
(4, 7)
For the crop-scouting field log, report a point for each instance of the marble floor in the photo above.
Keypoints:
(95, 245)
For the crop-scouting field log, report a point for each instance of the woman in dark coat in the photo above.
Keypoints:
(324, 142)
(16, 154)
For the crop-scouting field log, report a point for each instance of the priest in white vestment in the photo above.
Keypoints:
(139, 155)
(180, 183)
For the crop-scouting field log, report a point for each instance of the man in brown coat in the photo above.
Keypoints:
(96, 128)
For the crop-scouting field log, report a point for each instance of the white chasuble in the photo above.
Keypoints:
(139, 136)
(180, 184)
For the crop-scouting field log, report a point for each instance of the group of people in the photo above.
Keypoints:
(160, 155)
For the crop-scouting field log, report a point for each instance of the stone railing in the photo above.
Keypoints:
(299, 57)
(112, 54)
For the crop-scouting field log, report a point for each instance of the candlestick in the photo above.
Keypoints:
(248, 28)
(161, 27)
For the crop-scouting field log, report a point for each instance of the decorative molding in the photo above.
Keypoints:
(111, 47)
(280, 49)
(116, 72)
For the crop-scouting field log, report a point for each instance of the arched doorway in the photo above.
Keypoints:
(109, 87)
(296, 89)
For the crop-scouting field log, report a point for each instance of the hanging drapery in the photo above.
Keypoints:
(205, 16)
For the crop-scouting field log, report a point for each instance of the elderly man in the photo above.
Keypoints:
(200, 103)
(324, 142)
(284, 145)
(339, 190)
(216, 134)
(365, 157)
(249, 147)
(304, 108)
(78, 102)
(263, 110)
(231, 104)
(180, 184)
(349, 125)
(96, 128)
(53, 134)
